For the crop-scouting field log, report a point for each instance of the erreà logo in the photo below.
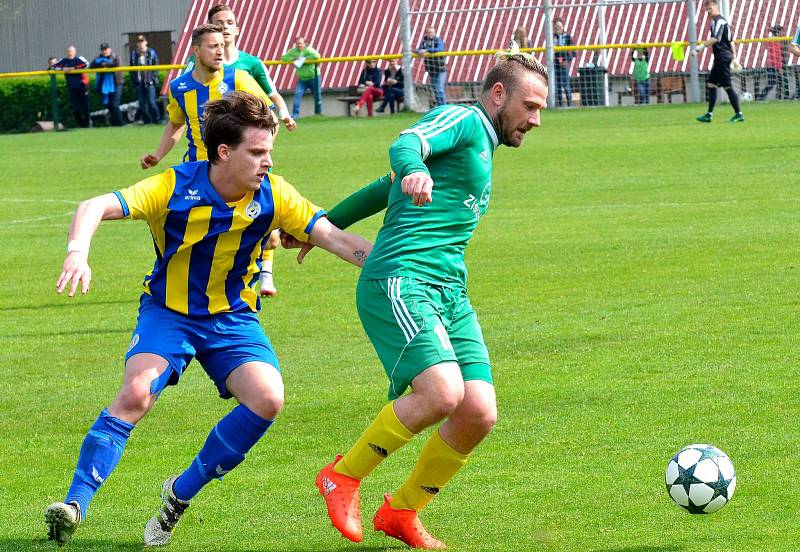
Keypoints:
(192, 195)
(182, 86)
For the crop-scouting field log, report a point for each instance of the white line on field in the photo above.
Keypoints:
(37, 200)
(35, 219)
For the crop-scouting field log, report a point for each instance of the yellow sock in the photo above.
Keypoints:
(266, 257)
(437, 464)
(385, 435)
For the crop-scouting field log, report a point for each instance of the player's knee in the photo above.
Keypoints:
(484, 418)
(446, 402)
(274, 240)
(268, 404)
(133, 401)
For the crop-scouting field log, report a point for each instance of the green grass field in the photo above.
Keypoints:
(637, 281)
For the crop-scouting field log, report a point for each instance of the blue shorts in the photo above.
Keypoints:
(220, 342)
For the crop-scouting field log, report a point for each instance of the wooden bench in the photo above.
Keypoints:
(667, 86)
(352, 96)
(460, 93)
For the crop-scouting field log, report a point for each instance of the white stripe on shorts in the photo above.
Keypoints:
(400, 311)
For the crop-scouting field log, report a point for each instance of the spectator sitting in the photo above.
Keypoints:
(369, 83)
(109, 85)
(392, 86)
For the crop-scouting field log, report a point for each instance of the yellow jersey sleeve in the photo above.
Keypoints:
(244, 82)
(293, 213)
(174, 111)
(148, 198)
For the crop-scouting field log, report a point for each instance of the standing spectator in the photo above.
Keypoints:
(109, 85)
(774, 66)
(521, 37)
(393, 90)
(145, 82)
(641, 74)
(369, 82)
(307, 75)
(436, 67)
(51, 61)
(721, 40)
(77, 84)
(563, 62)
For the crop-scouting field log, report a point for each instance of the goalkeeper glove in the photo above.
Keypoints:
(736, 67)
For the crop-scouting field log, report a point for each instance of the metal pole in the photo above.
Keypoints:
(549, 53)
(54, 99)
(405, 38)
(601, 20)
(694, 72)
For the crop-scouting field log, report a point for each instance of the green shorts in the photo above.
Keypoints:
(414, 325)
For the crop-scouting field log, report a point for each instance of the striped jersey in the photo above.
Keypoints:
(248, 63)
(722, 32)
(455, 144)
(208, 251)
(187, 98)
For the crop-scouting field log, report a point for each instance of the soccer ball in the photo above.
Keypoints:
(747, 97)
(700, 479)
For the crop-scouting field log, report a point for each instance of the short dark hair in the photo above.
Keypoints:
(506, 71)
(707, 2)
(216, 8)
(202, 30)
(226, 119)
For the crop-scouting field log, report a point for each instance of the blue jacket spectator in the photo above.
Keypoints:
(436, 67)
(109, 85)
(145, 82)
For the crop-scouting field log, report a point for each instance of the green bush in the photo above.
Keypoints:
(26, 100)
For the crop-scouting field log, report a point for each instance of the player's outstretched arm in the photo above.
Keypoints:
(75, 270)
(350, 247)
(283, 111)
(172, 133)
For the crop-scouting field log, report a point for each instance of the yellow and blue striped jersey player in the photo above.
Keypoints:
(188, 94)
(209, 221)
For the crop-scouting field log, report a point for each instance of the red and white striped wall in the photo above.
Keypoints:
(360, 27)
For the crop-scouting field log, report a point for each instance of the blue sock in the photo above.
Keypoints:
(224, 449)
(100, 453)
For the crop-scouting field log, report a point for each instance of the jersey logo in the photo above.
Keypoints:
(478, 206)
(192, 195)
(134, 341)
(182, 86)
(485, 156)
(222, 88)
(253, 209)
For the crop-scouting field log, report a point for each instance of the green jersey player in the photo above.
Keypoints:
(413, 303)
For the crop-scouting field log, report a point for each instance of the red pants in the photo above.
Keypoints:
(371, 94)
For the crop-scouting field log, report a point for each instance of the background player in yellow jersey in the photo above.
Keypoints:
(210, 78)
(209, 221)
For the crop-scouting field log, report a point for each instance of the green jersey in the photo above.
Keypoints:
(245, 62)
(455, 145)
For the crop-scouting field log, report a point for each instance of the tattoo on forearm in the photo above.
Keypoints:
(360, 255)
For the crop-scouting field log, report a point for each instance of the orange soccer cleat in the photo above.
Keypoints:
(405, 526)
(342, 500)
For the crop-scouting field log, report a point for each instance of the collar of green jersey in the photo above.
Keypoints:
(487, 123)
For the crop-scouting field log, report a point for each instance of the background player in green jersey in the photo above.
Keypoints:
(222, 15)
(412, 298)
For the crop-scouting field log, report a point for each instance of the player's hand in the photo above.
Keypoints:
(736, 67)
(290, 242)
(76, 270)
(290, 124)
(419, 186)
(148, 160)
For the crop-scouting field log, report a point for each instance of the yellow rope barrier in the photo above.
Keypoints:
(272, 62)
